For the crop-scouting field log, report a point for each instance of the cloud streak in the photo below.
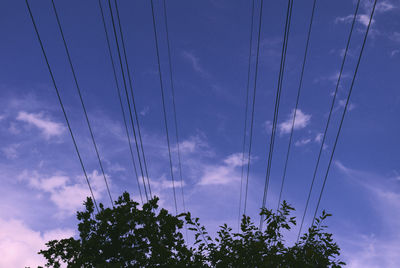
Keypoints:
(195, 63)
(302, 121)
(47, 127)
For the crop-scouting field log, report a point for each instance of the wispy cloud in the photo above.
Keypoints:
(267, 126)
(332, 78)
(11, 151)
(318, 137)
(361, 18)
(394, 53)
(302, 142)
(19, 244)
(195, 62)
(373, 249)
(302, 120)
(66, 193)
(49, 128)
(381, 6)
(395, 36)
(222, 174)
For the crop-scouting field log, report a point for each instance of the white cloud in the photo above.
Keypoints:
(222, 174)
(318, 137)
(394, 52)
(11, 151)
(381, 6)
(163, 183)
(145, 111)
(195, 62)
(395, 36)
(302, 142)
(342, 104)
(194, 144)
(375, 250)
(48, 127)
(234, 160)
(384, 6)
(361, 18)
(19, 244)
(67, 194)
(333, 78)
(2, 116)
(267, 126)
(302, 120)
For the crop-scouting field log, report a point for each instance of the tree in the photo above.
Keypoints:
(130, 236)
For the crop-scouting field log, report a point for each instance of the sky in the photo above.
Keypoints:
(42, 181)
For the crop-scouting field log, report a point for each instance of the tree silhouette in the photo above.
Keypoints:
(128, 235)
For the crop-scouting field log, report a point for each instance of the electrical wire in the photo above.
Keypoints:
(174, 106)
(345, 109)
(133, 98)
(61, 104)
(120, 98)
(246, 113)
(329, 117)
(253, 106)
(297, 101)
(277, 102)
(81, 100)
(127, 96)
(163, 104)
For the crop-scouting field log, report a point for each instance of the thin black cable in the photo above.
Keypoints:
(61, 104)
(127, 96)
(246, 113)
(277, 102)
(174, 105)
(133, 98)
(174, 111)
(253, 105)
(163, 103)
(329, 117)
(81, 100)
(345, 109)
(297, 101)
(119, 97)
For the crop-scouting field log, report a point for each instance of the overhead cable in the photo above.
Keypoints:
(253, 107)
(163, 104)
(61, 104)
(297, 101)
(329, 117)
(81, 100)
(277, 102)
(127, 97)
(246, 113)
(345, 109)
(120, 99)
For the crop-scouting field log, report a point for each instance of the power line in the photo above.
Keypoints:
(127, 96)
(61, 104)
(163, 103)
(253, 105)
(297, 101)
(119, 97)
(329, 117)
(246, 112)
(345, 109)
(277, 102)
(81, 100)
(174, 107)
(133, 98)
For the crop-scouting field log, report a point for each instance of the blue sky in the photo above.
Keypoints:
(42, 182)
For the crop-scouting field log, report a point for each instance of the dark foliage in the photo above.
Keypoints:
(130, 236)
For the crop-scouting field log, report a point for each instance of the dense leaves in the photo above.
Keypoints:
(128, 235)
